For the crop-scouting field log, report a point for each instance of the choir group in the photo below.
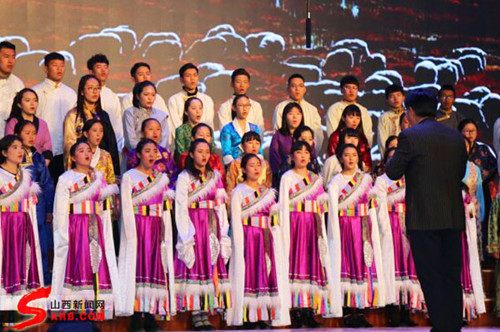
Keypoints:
(128, 202)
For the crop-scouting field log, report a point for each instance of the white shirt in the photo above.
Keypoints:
(111, 104)
(127, 102)
(176, 108)
(132, 122)
(331, 168)
(312, 119)
(8, 88)
(255, 115)
(334, 114)
(388, 125)
(54, 102)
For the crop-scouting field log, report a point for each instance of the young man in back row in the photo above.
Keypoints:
(349, 85)
(98, 65)
(140, 72)
(296, 91)
(55, 99)
(240, 83)
(10, 84)
(388, 123)
(189, 77)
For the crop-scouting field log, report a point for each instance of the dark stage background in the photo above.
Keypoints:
(413, 43)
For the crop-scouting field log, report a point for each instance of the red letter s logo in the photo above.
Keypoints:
(23, 308)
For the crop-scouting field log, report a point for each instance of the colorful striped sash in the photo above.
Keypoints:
(83, 183)
(350, 187)
(167, 205)
(9, 188)
(302, 185)
(198, 184)
(257, 221)
(374, 202)
(153, 210)
(252, 198)
(398, 207)
(396, 186)
(146, 183)
(107, 204)
(20, 206)
(309, 206)
(356, 210)
(206, 204)
(85, 207)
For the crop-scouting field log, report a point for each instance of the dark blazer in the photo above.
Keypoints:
(433, 158)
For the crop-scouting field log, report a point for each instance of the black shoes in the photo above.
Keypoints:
(150, 324)
(406, 320)
(356, 321)
(308, 319)
(403, 320)
(362, 321)
(296, 316)
(201, 322)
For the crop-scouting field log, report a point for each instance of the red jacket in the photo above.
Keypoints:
(214, 163)
(333, 143)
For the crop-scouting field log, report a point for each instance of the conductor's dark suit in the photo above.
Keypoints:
(432, 157)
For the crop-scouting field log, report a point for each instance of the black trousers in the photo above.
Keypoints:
(438, 260)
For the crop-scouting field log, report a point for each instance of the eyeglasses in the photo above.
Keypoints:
(472, 131)
(93, 89)
(246, 106)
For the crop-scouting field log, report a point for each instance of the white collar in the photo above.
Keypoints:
(301, 103)
(95, 157)
(52, 84)
(238, 129)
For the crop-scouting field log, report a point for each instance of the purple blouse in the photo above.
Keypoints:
(280, 148)
(43, 143)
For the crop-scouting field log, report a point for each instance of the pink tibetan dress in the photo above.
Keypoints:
(84, 253)
(146, 251)
(252, 268)
(203, 244)
(402, 285)
(20, 255)
(355, 241)
(303, 203)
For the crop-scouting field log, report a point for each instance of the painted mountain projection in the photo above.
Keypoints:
(415, 44)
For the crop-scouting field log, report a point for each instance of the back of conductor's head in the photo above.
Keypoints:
(423, 103)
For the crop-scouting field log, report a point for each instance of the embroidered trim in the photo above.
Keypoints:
(206, 204)
(20, 206)
(309, 206)
(350, 187)
(303, 185)
(83, 184)
(145, 184)
(197, 185)
(11, 187)
(357, 210)
(85, 207)
(253, 198)
(257, 221)
(398, 207)
(153, 210)
(396, 186)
